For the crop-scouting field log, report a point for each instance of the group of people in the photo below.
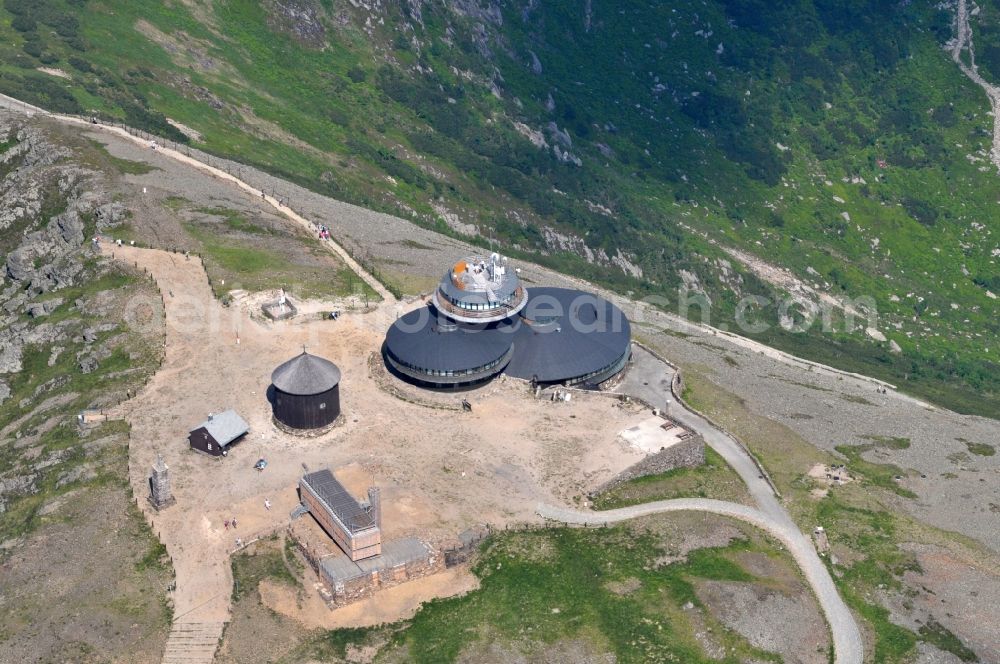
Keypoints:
(324, 232)
(232, 523)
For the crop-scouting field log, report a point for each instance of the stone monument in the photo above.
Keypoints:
(159, 486)
(280, 308)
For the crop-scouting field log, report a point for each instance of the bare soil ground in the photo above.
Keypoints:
(440, 471)
(818, 408)
(392, 604)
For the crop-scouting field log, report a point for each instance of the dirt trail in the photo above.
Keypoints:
(848, 647)
(283, 209)
(433, 485)
(963, 42)
(204, 580)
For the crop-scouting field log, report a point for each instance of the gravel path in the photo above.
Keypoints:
(649, 379)
(846, 636)
(271, 200)
(735, 456)
(961, 42)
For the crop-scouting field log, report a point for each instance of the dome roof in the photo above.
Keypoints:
(423, 339)
(306, 374)
(563, 334)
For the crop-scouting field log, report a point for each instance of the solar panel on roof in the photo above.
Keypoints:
(336, 498)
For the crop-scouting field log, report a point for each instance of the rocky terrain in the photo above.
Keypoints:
(42, 185)
(792, 414)
(81, 576)
(733, 149)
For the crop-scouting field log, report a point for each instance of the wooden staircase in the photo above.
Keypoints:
(193, 642)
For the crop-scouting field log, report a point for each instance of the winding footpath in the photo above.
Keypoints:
(194, 642)
(963, 42)
(847, 643)
(769, 515)
(846, 637)
(368, 278)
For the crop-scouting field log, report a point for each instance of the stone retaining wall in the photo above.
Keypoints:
(688, 453)
(341, 593)
(315, 546)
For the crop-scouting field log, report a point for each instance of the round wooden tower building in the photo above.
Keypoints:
(305, 394)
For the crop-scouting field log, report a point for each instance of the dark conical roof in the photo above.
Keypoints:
(306, 374)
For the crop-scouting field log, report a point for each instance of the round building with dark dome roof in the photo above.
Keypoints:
(569, 337)
(305, 393)
(483, 322)
(429, 349)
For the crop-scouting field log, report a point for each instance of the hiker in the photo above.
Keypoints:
(226, 524)
(267, 504)
(234, 523)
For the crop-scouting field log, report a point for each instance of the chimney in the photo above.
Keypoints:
(375, 505)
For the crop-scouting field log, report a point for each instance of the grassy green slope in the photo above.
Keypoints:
(835, 140)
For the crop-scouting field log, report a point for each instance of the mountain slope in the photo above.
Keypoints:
(644, 146)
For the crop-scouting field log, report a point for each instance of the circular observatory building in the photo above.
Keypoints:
(426, 348)
(480, 290)
(483, 323)
(305, 394)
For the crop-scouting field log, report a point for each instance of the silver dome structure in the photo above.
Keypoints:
(480, 290)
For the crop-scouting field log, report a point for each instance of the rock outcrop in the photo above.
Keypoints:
(48, 205)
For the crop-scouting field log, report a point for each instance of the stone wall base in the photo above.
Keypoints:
(307, 433)
(163, 504)
(688, 453)
(366, 586)
(275, 311)
(315, 546)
